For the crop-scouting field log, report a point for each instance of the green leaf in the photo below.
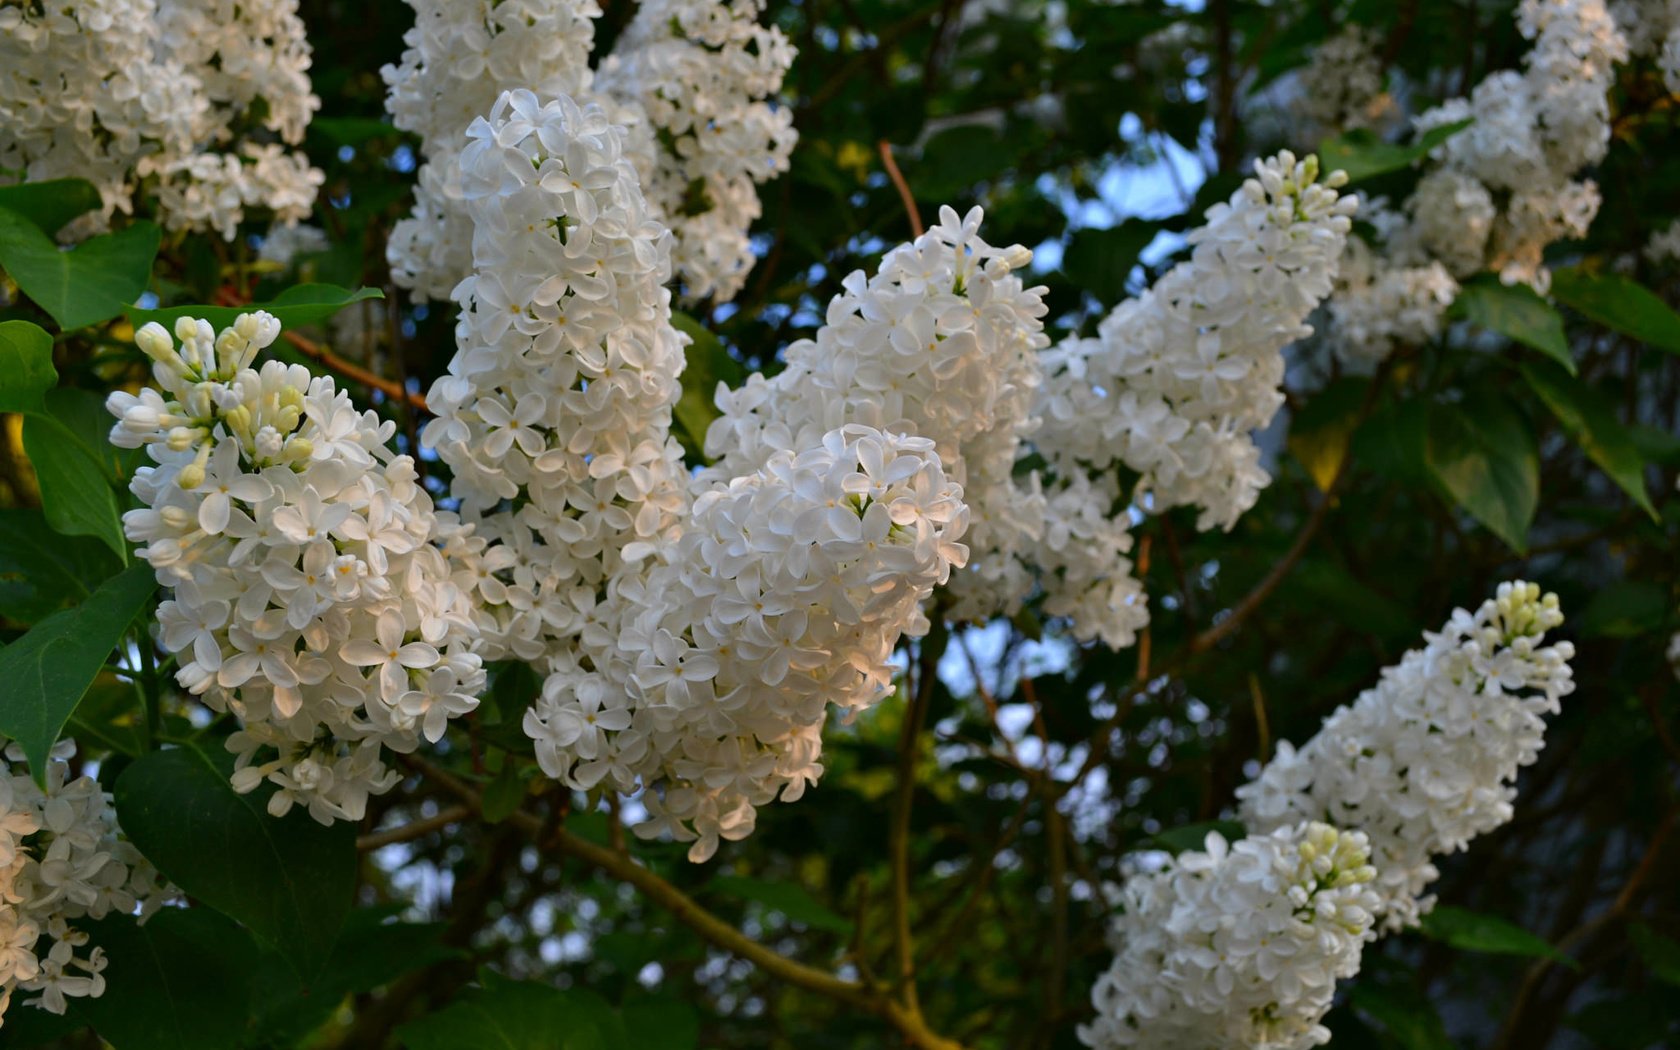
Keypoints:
(1194, 836)
(1590, 418)
(42, 571)
(1640, 1021)
(1478, 932)
(661, 1023)
(47, 671)
(1319, 434)
(26, 368)
(1618, 303)
(708, 364)
(1514, 311)
(516, 1015)
(181, 981)
(1624, 609)
(76, 493)
(289, 880)
(351, 131)
(298, 305)
(1363, 155)
(1099, 261)
(789, 898)
(504, 793)
(1407, 1016)
(87, 284)
(51, 204)
(1660, 955)
(1482, 455)
(111, 716)
(84, 415)
(370, 954)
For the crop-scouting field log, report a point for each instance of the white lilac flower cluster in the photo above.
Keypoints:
(1342, 87)
(689, 80)
(1178, 378)
(1652, 28)
(554, 416)
(698, 73)
(691, 631)
(1427, 759)
(307, 597)
(62, 859)
(458, 58)
(1502, 190)
(787, 593)
(943, 342)
(155, 99)
(1241, 946)
(1237, 945)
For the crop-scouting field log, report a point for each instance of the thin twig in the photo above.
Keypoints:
(687, 911)
(309, 348)
(413, 829)
(916, 227)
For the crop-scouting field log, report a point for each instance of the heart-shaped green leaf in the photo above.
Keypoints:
(47, 670)
(289, 880)
(181, 981)
(93, 282)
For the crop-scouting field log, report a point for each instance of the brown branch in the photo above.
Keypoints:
(413, 829)
(1622, 907)
(310, 349)
(898, 833)
(916, 227)
(686, 910)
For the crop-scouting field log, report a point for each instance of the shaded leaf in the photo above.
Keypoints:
(1482, 454)
(1514, 311)
(662, 1023)
(1660, 955)
(26, 368)
(42, 571)
(517, 1015)
(289, 880)
(708, 363)
(89, 283)
(1320, 433)
(111, 716)
(1618, 303)
(351, 131)
(1478, 932)
(1627, 1022)
(50, 204)
(76, 493)
(181, 981)
(371, 953)
(1624, 609)
(788, 898)
(1194, 836)
(1409, 1018)
(47, 671)
(1099, 261)
(1363, 155)
(1590, 418)
(298, 305)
